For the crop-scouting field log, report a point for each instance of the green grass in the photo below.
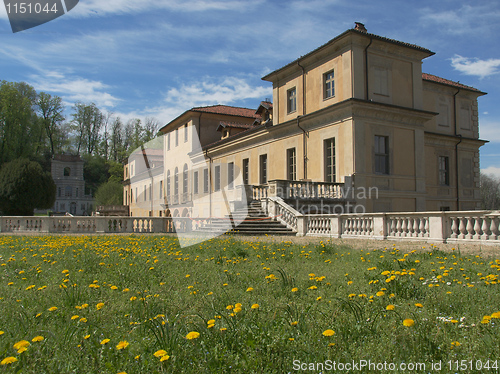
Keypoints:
(155, 293)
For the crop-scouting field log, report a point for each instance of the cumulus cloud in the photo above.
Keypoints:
(492, 170)
(210, 91)
(73, 89)
(475, 66)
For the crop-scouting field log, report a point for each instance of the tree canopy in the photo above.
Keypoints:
(24, 186)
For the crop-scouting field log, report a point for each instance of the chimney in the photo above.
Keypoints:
(360, 27)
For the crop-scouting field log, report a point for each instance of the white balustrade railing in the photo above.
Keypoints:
(319, 225)
(407, 226)
(357, 225)
(260, 192)
(474, 226)
(313, 190)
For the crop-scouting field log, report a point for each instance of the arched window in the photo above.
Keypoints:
(176, 183)
(185, 180)
(168, 184)
(67, 172)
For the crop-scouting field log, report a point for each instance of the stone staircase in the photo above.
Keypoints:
(254, 221)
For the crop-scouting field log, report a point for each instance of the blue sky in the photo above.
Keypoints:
(139, 58)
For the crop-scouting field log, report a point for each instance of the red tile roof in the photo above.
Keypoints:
(228, 110)
(436, 79)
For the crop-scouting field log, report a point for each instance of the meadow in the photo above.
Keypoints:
(141, 304)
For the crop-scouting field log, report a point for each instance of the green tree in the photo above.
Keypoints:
(51, 116)
(87, 122)
(24, 186)
(109, 193)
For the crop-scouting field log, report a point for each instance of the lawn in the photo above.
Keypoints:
(141, 304)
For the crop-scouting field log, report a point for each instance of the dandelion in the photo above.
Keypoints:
(8, 360)
(294, 323)
(86, 337)
(83, 320)
(328, 332)
(52, 309)
(104, 341)
(211, 322)
(408, 322)
(22, 349)
(418, 305)
(495, 315)
(99, 306)
(380, 293)
(21, 344)
(390, 307)
(295, 289)
(38, 338)
(122, 345)
(193, 335)
(255, 306)
(249, 289)
(455, 344)
(160, 353)
(164, 358)
(75, 317)
(1, 333)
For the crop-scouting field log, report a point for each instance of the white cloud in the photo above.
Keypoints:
(475, 66)
(209, 92)
(73, 89)
(492, 170)
(489, 130)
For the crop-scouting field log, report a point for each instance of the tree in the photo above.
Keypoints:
(95, 172)
(24, 186)
(110, 193)
(19, 129)
(490, 192)
(50, 110)
(87, 122)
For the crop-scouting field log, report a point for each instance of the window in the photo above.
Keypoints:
(381, 154)
(263, 169)
(291, 164)
(230, 175)
(195, 182)
(185, 133)
(444, 171)
(176, 183)
(246, 167)
(131, 196)
(145, 193)
(217, 178)
(329, 85)
(176, 137)
(185, 181)
(67, 172)
(68, 191)
(206, 183)
(291, 96)
(329, 159)
(161, 189)
(168, 184)
(126, 198)
(168, 142)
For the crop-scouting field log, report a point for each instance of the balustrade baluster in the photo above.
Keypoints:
(485, 228)
(477, 228)
(454, 228)
(463, 228)
(470, 228)
(494, 228)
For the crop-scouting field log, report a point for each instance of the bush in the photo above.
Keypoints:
(110, 193)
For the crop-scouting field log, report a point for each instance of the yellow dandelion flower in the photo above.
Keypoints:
(229, 307)
(390, 307)
(418, 305)
(164, 358)
(294, 323)
(105, 341)
(22, 349)
(455, 344)
(75, 317)
(237, 309)
(122, 345)
(495, 315)
(83, 320)
(21, 344)
(210, 325)
(99, 306)
(52, 309)
(223, 329)
(160, 353)
(38, 338)
(8, 360)
(408, 322)
(255, 306)
(291, 339)
(86, 337)
(328, 332)
(210, 321)
(380, 293)
(313, 288)
(1, 332)
(249, 289)
(193, 335)
(133, 298)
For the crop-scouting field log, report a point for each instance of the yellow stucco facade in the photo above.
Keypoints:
(358, 107)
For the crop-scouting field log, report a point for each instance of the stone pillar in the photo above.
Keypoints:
(437, 228)
(336, 227)
(301, 225)
(379, 227)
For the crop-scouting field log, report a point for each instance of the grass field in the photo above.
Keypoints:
(141, 304)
